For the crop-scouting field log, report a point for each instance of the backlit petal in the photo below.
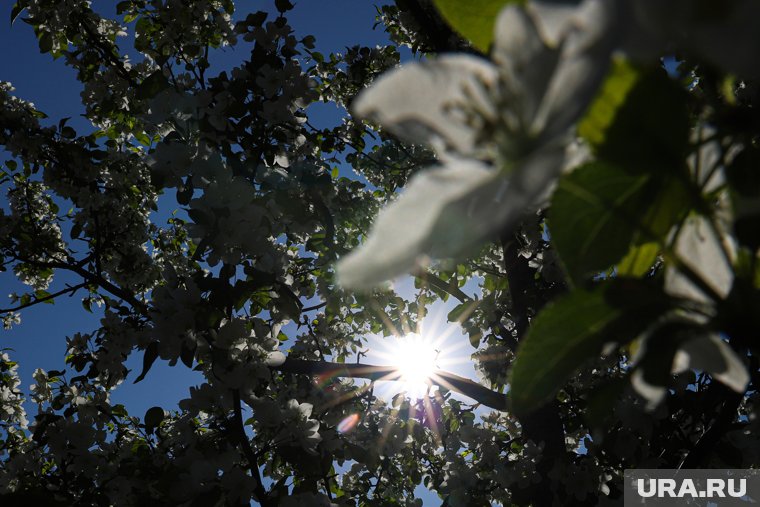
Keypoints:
(402, 233)
(423, 102)
(704, 252)
(582, 66)
(525, 62)
(447, 213)
(711, 354)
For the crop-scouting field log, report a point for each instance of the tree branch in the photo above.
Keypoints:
(49, 297)
(261, 495)
(543, 425)
(447, 380)
(95, 279)
(435, 282)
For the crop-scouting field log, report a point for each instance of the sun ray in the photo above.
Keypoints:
(432, 417)
(322, 380)
(384, 317)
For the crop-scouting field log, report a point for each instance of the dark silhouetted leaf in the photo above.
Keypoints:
(151, 354)
(46, 42)
(153, 417)
(152, 85)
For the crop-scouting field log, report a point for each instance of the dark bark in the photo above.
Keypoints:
(543, 426)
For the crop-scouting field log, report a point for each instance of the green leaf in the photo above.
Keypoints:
(462, 311)
(474, 19)
(142, 138)
(122, 7)
(612, 95)
(42, 294)
(562, 337)
(574, 329)
(639, 260)
(590, 215)
(600, 211)
(669, 201)
(309, 41)
(187, 355)
(640, 120)
(474, 339)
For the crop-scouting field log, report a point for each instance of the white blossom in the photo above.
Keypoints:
(705, 250)
(706, 352)
(499, 129)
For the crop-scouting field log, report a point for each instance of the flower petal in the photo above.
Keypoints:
(402, 231)
(701, 249)
(447, 212)
(711, 354)
(583, 64)
(652, 393)
(552, 18)
(525, 61)
(275, 358)
(422, 102)
(708, 158)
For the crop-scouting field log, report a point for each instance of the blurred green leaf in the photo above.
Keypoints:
(474, 19)
(573, 330)
(600, 211)
(590, 213)
(562, 337)
(639, 120)
(639, 260)
(621, 79)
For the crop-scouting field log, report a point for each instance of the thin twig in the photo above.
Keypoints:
(69, 288)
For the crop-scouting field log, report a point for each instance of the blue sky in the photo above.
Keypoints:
(53, 88)
(39, 341)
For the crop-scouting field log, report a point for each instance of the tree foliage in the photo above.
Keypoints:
(590, 212)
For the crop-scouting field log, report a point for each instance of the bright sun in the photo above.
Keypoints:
(415, 357)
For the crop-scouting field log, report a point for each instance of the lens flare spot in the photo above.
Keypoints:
(348, 423)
